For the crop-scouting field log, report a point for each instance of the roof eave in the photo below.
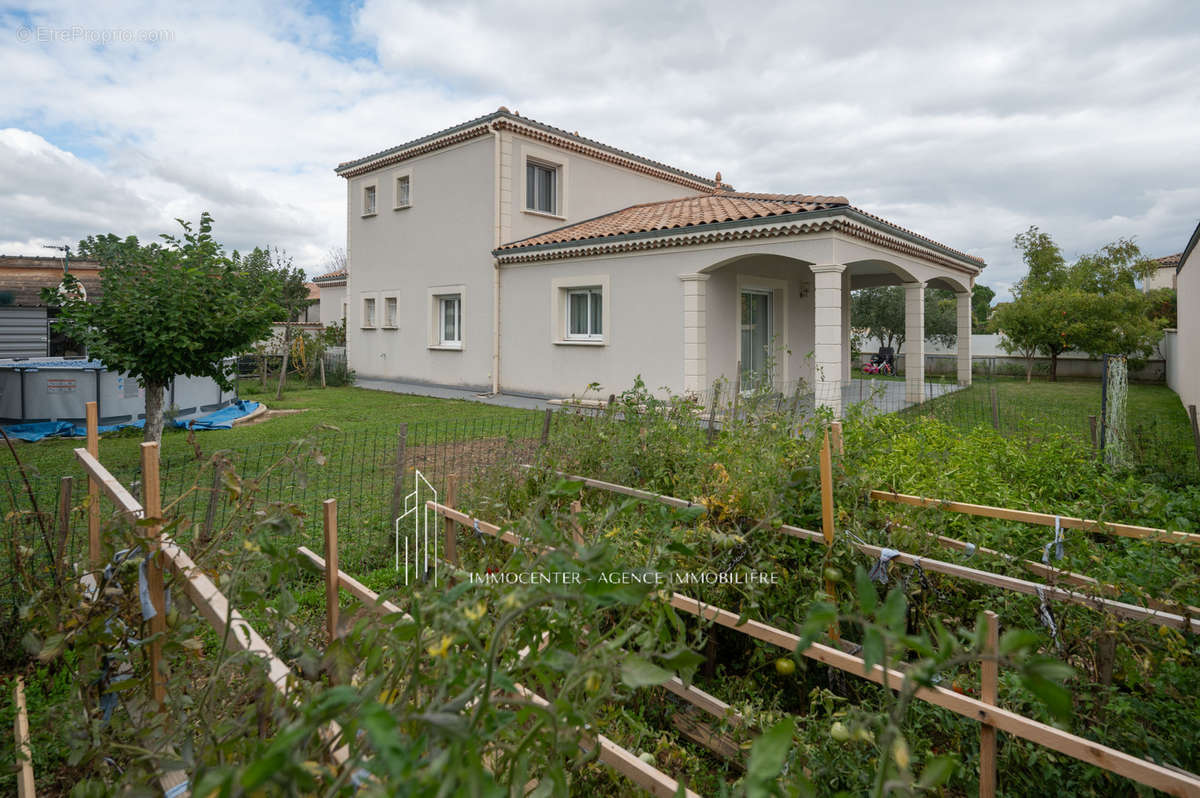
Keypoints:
(846, 211)
(1193, 242)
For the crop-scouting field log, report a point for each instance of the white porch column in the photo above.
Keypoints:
(847, 355)
(914, 342)
(964, 337)
(695, 334)
(827, 335)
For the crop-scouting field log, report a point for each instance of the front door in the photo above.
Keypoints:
(756, 339)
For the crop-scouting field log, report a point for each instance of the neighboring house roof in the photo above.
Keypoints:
(22, 277)
(721, 210)
(331, 278)
(314, 291)
(1169, 261)
(504, 119)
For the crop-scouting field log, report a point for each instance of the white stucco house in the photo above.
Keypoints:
(506, 255)
(332, 304)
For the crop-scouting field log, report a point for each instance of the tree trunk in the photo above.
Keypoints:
(1054, 367)
(1028, 370)
(154, 412)
(287, 348)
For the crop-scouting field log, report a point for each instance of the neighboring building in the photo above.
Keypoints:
(24, 318)
(312, 311)
(332, 296)
(509, 255)
(1183, 355)
(1168, 267)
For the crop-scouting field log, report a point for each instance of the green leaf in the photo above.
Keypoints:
(767, 757)
(682, 659)
(637, 672)
(937, 772)
(872, 648)
(868, 598)
(1015, 640)
(891, 614)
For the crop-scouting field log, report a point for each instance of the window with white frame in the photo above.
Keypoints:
(585, 314)
(403, 191)
(450, 320)
(368, 201)
(541, 187)
(368, 315)
(390, 315)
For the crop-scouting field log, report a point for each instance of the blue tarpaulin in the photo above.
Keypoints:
(220, 419)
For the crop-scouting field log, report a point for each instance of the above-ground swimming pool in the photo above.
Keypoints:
(54, 389)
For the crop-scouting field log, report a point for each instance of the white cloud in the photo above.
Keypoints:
(967, 124)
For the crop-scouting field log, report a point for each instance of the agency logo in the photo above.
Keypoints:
(417, 532)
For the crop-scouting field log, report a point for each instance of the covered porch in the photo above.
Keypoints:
(775, 315)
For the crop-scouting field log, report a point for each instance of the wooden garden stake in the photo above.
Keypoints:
(712, 413)
(398, 476)
(321, 360)
(451, 527)
(1195, 431)
(152, 510)
(1095, 438)
(995, 410)
(838, 446)
(990, 670)
(827, 516)
(25, 784)
(546, 427)
(576, 530)
(93, 447)
(210, 513)
(64, 523)
(331, 568)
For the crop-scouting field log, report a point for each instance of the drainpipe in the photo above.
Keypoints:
(496, 263)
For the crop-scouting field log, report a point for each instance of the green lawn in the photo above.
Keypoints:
(350, 410)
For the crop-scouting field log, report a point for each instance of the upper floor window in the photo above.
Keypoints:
(403, 191)
(541, 188)
(585, 317)
(368, 317)
(368, 203)
(390, 316)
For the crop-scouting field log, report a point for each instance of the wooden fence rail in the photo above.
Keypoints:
(1044, 519)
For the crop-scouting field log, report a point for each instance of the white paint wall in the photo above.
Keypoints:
(333, 304)
(1187, 284)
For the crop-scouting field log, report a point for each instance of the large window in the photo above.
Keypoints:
(368, 317)
(390, 316)
(403, 191)
(368, 205)
(585, 314)
(450, 320)
(541, 188)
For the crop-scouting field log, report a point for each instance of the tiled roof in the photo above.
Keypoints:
(1169, 260)
(684, 212)
(509, 120)
(330, 277)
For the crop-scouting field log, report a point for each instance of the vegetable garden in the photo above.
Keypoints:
(639, 604)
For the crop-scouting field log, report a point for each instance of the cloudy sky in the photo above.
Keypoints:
(967, 122)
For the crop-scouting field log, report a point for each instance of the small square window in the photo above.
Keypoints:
(368, 319)
(450, 320)
(403, 191)
(541, 187)
(368, 200)
(389, 311)
(585, 314)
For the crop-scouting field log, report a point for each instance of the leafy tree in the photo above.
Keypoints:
(276, 264)
(880, 311)
(981, 307)
(179, 307)
(1092, 305)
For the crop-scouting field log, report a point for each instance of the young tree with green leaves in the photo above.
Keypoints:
(180, 307)
(1092, 305)
(981, 308)
(276, 264)
(880, 311)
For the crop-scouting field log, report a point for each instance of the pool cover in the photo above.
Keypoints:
(221, 419)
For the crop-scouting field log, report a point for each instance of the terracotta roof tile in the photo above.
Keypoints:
(1169, 260)
(340, 274)
(684, 212)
